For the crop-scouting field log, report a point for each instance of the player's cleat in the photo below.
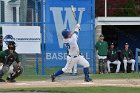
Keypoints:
(88, 79)
(2, 80)
(10, 80)
(53, 78)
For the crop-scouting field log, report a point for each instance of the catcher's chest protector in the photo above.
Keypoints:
(10, 59)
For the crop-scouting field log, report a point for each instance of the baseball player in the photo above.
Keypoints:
(7, 59)
(112, 58)
(74, 57)
(102, 49)
(128, 57)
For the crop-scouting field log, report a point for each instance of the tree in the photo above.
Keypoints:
(129, 9)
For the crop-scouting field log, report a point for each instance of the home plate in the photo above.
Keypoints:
(87, 83)
(21, 84)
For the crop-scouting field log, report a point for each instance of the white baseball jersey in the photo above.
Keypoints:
(71, 44)
(74, 57)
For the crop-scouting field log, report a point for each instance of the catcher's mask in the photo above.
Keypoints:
(11, 45)
(65, 33)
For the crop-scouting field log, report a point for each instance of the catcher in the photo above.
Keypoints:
(9, 62)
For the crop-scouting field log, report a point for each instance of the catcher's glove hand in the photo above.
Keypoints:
(18, 69)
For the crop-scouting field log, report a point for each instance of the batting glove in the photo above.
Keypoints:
(77, 27)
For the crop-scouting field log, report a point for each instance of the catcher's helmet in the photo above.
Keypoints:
(11, 45)
(65, 33)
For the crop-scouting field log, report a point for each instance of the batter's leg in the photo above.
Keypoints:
(82, 61)
(66, 69)
(86, 72)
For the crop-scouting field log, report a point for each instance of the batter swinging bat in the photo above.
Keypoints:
(73, 12)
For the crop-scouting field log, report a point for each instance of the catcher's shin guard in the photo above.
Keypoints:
(86, 72)
(10, 80)
(1, 74)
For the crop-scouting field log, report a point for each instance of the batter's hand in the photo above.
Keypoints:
(77, 27)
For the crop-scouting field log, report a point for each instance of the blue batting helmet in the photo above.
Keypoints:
(65, 33)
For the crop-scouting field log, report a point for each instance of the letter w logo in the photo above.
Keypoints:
(62, 18)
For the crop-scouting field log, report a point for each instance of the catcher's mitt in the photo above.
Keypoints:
(18, 69)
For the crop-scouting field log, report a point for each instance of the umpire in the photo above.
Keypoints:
(9, 62)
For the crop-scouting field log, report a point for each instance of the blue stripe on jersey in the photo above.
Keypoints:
(76, 33)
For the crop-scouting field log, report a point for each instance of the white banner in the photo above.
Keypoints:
(27, 38)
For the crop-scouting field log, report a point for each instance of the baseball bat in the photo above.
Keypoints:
(73, 12)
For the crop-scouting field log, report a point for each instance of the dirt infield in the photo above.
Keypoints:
(72, 83)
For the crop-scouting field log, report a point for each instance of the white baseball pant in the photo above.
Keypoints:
(71, 61)
(117, 62)
(129, 61)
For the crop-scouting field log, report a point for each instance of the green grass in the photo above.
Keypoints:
(31, 70)
(116, 76)
(93, 76)
(31, 78)
(78, 90)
